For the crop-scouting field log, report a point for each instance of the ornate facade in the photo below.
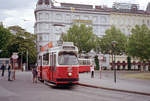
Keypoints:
(52, 21)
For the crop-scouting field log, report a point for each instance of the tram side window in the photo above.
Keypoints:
(46, 59)
(51, 60)
(88, 62)
(40, 61)
(84, 62)
(80, 62)
(54, 62)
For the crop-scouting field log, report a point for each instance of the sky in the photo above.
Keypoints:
(21, 12)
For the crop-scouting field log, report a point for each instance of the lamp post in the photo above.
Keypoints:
(113, 58)
(27, 59)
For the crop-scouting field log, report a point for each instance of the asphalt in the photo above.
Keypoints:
(105, 80)
(122, 84)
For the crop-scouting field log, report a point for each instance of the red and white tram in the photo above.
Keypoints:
(59, 65)
(85, 65)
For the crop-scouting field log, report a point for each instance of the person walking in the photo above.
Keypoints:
(92, 71)
(34, 73)
(9, 71)
(3, 67)
(13, 72)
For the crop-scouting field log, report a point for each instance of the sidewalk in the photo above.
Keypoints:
(122, 84)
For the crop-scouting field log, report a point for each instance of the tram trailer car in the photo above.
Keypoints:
(84, 65)
(59, 65)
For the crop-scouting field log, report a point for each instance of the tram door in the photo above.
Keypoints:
(53, 65)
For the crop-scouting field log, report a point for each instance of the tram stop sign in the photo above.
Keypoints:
(15, 56)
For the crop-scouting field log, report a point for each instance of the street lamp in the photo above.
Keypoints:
(27, 64)
(113, 59)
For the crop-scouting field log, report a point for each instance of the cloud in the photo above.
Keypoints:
(18, 12)
(23, 18)
(16, 4)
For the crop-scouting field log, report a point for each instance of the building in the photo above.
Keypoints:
(125, 6)
(126, 17)
(52, 21)
(148, 8)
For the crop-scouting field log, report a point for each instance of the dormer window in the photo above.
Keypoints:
(40, 2)
(47, 2)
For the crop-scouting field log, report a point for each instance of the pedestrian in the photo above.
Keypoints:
(92, 71)
(24, 67)
(13, 73)
(34, 73)
(3, 67)
(9, 71)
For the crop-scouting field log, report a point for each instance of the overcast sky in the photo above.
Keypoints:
(21, 12)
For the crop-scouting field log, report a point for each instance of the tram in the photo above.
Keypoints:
(85, 65)
(59, 65)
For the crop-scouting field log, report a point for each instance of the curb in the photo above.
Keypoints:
(113, 89)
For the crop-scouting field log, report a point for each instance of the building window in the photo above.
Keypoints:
(40, 16)
(67, 17)
(143, 21)
(41, 27)
(58, 16)
(86, 17)
(45, 27)
(103, 19)
(45, 37)
(147, 22)
(95, 19)
(76, 17)
(40, 38)
(46, 16)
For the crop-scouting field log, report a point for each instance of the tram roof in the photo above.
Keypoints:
(65, 46)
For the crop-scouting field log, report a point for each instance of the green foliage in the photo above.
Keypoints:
(20, 41)
(139, 43)
(113, 34)
(5, 38)
(96, 62)
(82, 37)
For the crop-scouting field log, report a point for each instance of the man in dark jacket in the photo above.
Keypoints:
(3, 69)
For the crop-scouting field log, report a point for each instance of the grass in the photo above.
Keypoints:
(145, 76)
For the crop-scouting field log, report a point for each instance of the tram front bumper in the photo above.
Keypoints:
(67, 79)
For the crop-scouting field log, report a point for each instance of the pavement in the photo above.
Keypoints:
(106, 81)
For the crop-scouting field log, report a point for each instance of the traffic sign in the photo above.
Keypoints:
(15, 56)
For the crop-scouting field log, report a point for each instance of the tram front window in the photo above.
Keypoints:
(67, 59)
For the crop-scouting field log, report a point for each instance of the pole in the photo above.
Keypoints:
(27, 60)
(21, 62)
(114, 70)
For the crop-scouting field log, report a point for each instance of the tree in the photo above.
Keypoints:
(22, 42)
(5, 38)
(139, 43)
(82, 37)
(96, 62)
(113, 34)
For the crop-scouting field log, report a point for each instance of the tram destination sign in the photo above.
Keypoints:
(68, 47)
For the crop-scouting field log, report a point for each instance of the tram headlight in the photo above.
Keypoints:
(69, 74)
